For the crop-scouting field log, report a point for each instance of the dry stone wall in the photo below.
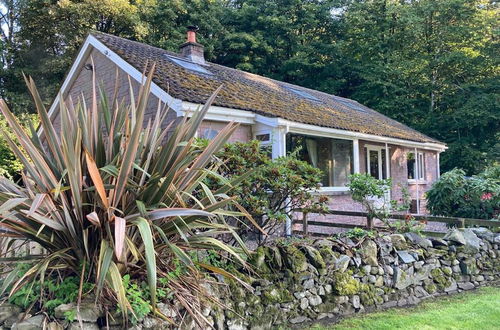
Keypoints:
(299, 281)
(303, 281)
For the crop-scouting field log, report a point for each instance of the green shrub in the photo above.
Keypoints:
(138, 297)
(358, 233)
(49, 294)
(271, 189)
(372, 194)
(456, 195)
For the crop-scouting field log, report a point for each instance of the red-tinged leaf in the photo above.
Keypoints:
(120, 224)
(94, 219)
(96, 178)
(36, 204)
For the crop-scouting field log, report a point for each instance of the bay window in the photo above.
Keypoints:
(333, 156)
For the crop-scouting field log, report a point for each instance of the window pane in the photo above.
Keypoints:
(320, 153)
(421, 166)
(342, 162)
(332, 156)
(410, 164)
(208, 133)
(263, 137)
(384, 170)
(373, 170)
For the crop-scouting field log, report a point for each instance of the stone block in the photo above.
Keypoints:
(33, 323)
(369, 252)
(466, 286)
(456, 236)
(8, 311)
(342, 263)
(405, 257)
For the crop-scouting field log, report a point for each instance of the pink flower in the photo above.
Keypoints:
(486, 196)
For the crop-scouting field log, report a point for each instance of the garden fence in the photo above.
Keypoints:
(450, 221)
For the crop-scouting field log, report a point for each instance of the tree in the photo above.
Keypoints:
(287, 40)
(164, 22)
(270, 189)
(45, 36)
(430, 64)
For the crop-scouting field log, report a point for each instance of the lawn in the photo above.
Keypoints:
(475, 310)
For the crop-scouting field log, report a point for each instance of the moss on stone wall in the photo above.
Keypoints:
(441, 280)
(294, 258)
(345, 285)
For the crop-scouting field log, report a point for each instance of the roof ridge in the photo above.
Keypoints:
(94, 32)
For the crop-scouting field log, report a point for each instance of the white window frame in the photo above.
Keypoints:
(378, 149)
(355, 159)
(420, 175)
(266, 143)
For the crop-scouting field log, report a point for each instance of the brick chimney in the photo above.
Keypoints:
(191, 50)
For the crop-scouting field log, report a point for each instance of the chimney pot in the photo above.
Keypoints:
(192, 50)
(191, 33)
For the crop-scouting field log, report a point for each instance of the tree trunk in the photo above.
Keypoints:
(369, 221)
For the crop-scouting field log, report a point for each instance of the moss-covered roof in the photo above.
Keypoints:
(261, 95)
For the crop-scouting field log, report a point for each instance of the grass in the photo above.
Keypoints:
(475, 310)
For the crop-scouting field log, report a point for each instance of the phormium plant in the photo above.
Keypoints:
(110, 195)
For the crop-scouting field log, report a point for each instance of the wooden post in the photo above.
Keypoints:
(417, 177)
(462, 223)
(304, 223)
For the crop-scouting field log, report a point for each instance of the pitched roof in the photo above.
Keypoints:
(261, 95)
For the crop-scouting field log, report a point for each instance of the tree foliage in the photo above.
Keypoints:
(10, 165)
(430, 64)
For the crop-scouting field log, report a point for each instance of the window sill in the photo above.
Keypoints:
(332, 191)
(412, 181)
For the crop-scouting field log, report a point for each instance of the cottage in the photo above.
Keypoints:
(338, 135)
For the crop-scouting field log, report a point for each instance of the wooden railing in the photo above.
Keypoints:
(451, 221)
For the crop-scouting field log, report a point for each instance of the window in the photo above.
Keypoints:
(411, 164)
(302, 93)
(208, 133)
(188, 65)
(263, 137)
(265, 143)
(376, 162)
(333, 156)
(350, 104)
